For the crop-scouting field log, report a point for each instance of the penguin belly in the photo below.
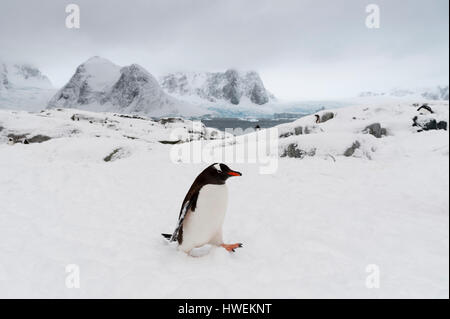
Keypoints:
(204, 225)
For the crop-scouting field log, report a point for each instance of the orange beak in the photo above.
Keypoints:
(233, 173)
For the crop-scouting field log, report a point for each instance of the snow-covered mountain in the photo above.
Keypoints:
(23, 86)
(231, 86)
(4, 82)
(438, 93)
(100, 85)
(19, 76)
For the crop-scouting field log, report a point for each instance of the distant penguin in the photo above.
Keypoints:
(317, 118)
(203, 210)
(425, 108)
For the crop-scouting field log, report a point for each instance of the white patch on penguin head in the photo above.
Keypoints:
(217, 167)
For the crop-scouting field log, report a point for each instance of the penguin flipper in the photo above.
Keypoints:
(178, 233)
(189, 205)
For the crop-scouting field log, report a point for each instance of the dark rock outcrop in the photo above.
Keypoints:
(298, 130)
(112, 156)
(22, 138)
(376, 130)
(351, 150)
(442, 125)
(293, 151)
(38, 139)
(428, 124)
(166, 120)
(326, 117)
(286, 134)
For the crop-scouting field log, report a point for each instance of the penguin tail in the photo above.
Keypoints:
(167, 236)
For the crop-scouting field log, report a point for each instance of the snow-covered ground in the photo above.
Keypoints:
(311, 229)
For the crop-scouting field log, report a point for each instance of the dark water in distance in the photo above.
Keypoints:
(233, 123)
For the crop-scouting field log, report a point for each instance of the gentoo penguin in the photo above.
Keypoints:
(203, 210)
(317, 118)
(425, 108)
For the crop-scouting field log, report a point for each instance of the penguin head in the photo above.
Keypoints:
(220, 173)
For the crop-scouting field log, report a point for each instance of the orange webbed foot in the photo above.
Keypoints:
(232, 247)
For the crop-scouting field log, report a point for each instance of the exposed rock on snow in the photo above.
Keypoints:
(299, 130)
(230, 86)
(293, 151)
(170, 120)
(64, 123)
(326, 116)
(116, 154)
(376, 130)
(100, 85)
(38, 139)
(14, 138)
(286, 134)
(426, 123)
(309, 129)
(351, 150)
(442, 125)
(171, 142)
(356, 131)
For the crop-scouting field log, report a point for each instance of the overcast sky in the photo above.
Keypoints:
(303, 49)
